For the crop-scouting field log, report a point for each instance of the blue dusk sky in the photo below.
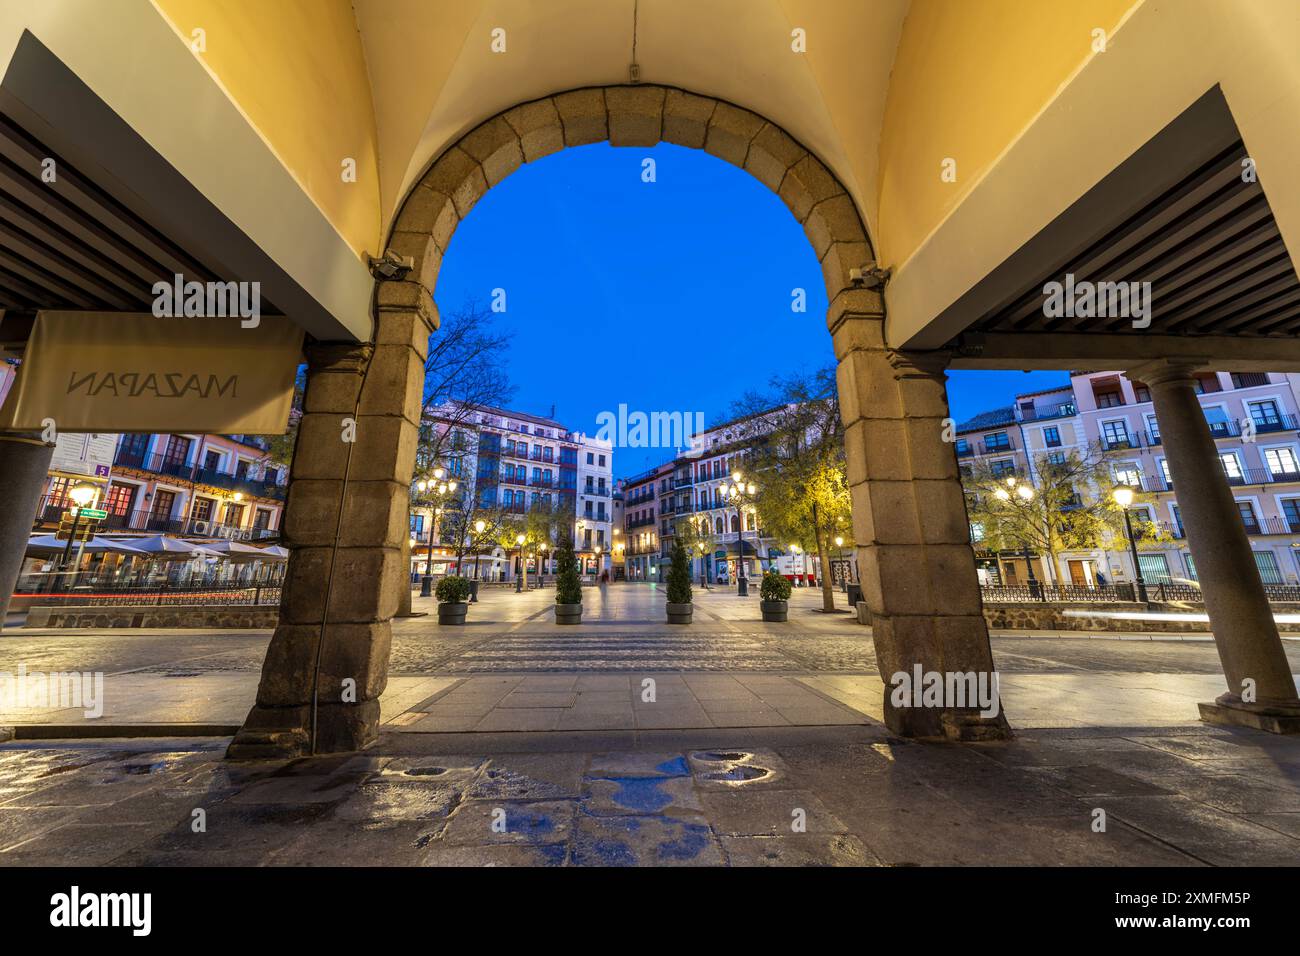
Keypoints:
(672, 295)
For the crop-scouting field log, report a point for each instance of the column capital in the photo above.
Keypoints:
(930, 364)
(350, 357)
(1167, 371)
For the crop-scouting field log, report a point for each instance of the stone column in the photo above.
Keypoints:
(1244, 630)
(24, 463)
(910, 523)
(346, 524)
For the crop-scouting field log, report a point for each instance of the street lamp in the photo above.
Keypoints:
(596, 572)
(519, 567)
(1124, 497)
(440, 489)
(543, 548)
(81, 495)
(736, 492)
(479, 527)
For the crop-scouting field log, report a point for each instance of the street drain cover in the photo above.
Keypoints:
(738, 774)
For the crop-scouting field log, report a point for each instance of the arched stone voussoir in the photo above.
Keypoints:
(583, 116)
(834, 220)
(807, 183)
(496, 147)
(428, 211)
(539, 128)
(459, 176)
(636, 115)
(840, 261)
(731, 130)
(771, 153)
(686, 118)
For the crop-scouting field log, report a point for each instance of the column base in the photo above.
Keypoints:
(1273, 718)
(285, 732)
(945, 723)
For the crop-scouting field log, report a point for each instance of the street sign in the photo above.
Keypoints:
(92, 513)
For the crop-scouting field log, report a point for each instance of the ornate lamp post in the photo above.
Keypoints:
(519, 569)
(1124, 497)
(738, 491)
(439, 490)
(479, 527)
(81, 495)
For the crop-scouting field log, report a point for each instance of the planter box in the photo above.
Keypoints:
(452, 613)
(774, 612)
(568, 613)
(680, 613)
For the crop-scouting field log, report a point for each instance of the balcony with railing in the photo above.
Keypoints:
(1120, 442)
(164, 464)
(997, 448)
(1047, 414)
(51, 509)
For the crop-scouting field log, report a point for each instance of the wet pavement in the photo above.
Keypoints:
(626, 742)
(758, 797)
(816, 669)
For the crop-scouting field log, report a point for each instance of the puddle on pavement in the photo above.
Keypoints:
(738, 774)
(737, 769)
(721, 756)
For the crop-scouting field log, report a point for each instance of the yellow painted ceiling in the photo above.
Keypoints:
(884, 91)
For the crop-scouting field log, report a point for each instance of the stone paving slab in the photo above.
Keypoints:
(849, 795)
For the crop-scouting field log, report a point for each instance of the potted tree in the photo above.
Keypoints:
(453, 599)
(679, 586)
(568, 587)
(775, 593)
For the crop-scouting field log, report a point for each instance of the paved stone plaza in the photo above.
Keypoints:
(762, 745)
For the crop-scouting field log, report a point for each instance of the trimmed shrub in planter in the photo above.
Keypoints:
(453, 599)
(775, 592)
(568, 587)
(680, 608)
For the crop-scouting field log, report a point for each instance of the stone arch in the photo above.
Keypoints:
(630, 116)
(347, 507)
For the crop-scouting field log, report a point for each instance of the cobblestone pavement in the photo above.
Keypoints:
(624, 631)
(762, 797)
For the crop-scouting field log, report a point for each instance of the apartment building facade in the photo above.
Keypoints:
(641, 560)
(218, 486)
(1254, 419)
(517, 462)
(688, 488)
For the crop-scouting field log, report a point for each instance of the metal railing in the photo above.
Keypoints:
(1158, 592)
(163, 464)
(159, 595)
(51, 509)
(1060, 593)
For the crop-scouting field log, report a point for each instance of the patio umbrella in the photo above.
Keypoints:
(236, 552)
(49, 544)
(162, 548)
(275, 553)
